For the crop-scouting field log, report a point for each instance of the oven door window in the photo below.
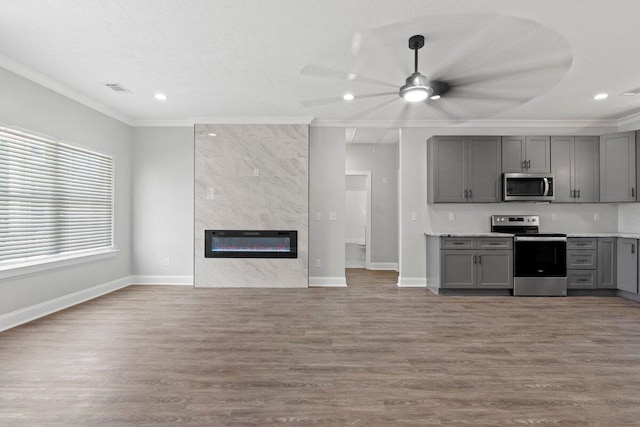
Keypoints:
(540, 259)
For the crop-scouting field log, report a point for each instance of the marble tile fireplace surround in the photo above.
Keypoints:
(251, 178)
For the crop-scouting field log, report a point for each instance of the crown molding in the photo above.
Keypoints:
(578, 124)
(49, 83)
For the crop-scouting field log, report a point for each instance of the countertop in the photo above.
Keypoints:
(449, 234)
(490, 234)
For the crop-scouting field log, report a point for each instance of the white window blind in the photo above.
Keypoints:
(55, 199)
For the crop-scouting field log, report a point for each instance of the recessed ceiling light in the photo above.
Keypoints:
(601, 96)
(348, 97)
(212, 134)
(352, 76)
(160, 96)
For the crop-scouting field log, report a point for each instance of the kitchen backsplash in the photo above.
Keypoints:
(555, 218)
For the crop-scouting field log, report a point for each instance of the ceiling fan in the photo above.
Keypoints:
(501, 64)
(417, 87)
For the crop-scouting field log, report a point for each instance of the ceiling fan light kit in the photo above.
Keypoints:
(416, 88)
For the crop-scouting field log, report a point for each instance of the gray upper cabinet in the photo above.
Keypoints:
(464, 169)
(529, 154)
(627, 261)
(618, 167)
(575, 167)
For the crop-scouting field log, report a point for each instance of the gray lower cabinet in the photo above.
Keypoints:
(582, 263)
(607, 263)
(488, 264)
(618, 167)
(575, 167)
(627, 265)
(464, 169)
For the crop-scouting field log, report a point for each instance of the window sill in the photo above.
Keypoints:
(48, 263)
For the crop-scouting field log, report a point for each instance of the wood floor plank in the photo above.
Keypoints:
(372, 354)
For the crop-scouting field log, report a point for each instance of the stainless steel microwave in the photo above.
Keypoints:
(527, 187)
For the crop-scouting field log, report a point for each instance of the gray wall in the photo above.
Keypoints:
(163, 202)
(326, 194)
(382, 161)
(259, 175)
(30, 106)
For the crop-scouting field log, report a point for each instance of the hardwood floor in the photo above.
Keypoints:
(371, 354)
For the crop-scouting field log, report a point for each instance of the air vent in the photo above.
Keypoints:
(117, 87)
(631, 92)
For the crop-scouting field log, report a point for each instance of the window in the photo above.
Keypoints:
(56, 200)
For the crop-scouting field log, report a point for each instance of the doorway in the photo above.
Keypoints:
(358, 219)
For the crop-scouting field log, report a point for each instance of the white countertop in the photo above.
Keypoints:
(450, 234)
(489, 234)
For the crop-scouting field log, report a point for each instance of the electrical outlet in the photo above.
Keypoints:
(554, 217)
(452, 216)
(318, 263)
(318, 216)
(596, 216)
(167, 262)
(332, 216)
(414, 216)
(256, 172)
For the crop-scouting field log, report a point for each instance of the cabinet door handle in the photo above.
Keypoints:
(578, 194)
(479, 259)
(474, 259)
(573, 194)
(633, 248)
(458, 243)
(633, 192)
(470, 194)
(528, 164)
(466, 194)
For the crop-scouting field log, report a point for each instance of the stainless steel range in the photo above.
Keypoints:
(540, 259)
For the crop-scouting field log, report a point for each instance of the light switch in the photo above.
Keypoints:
(554, 217)
(256, 172)
(332, 216)
(209, 193)
(318, 216)
(414, 216)
(452, 216)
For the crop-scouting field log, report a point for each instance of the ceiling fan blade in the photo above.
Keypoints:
(521, 70)
(331, 73)
(334, 99)
(437, 105)
(370, 110)
(483, 96)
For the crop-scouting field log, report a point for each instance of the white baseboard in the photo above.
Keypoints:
(24, 315)
(384, 266)
(412, 282)
(162, 280)
(330, 282)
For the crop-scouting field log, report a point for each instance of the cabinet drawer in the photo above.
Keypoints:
(458, 243)
(582, 259)
(582, 243)
(581, 279)
(494, 243)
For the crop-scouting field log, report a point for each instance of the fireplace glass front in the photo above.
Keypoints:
(251, 244)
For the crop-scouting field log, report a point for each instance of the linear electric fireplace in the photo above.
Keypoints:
(250, 244)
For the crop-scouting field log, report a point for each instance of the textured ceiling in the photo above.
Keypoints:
(278, 60)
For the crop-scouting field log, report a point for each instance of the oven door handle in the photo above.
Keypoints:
(540, 239)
